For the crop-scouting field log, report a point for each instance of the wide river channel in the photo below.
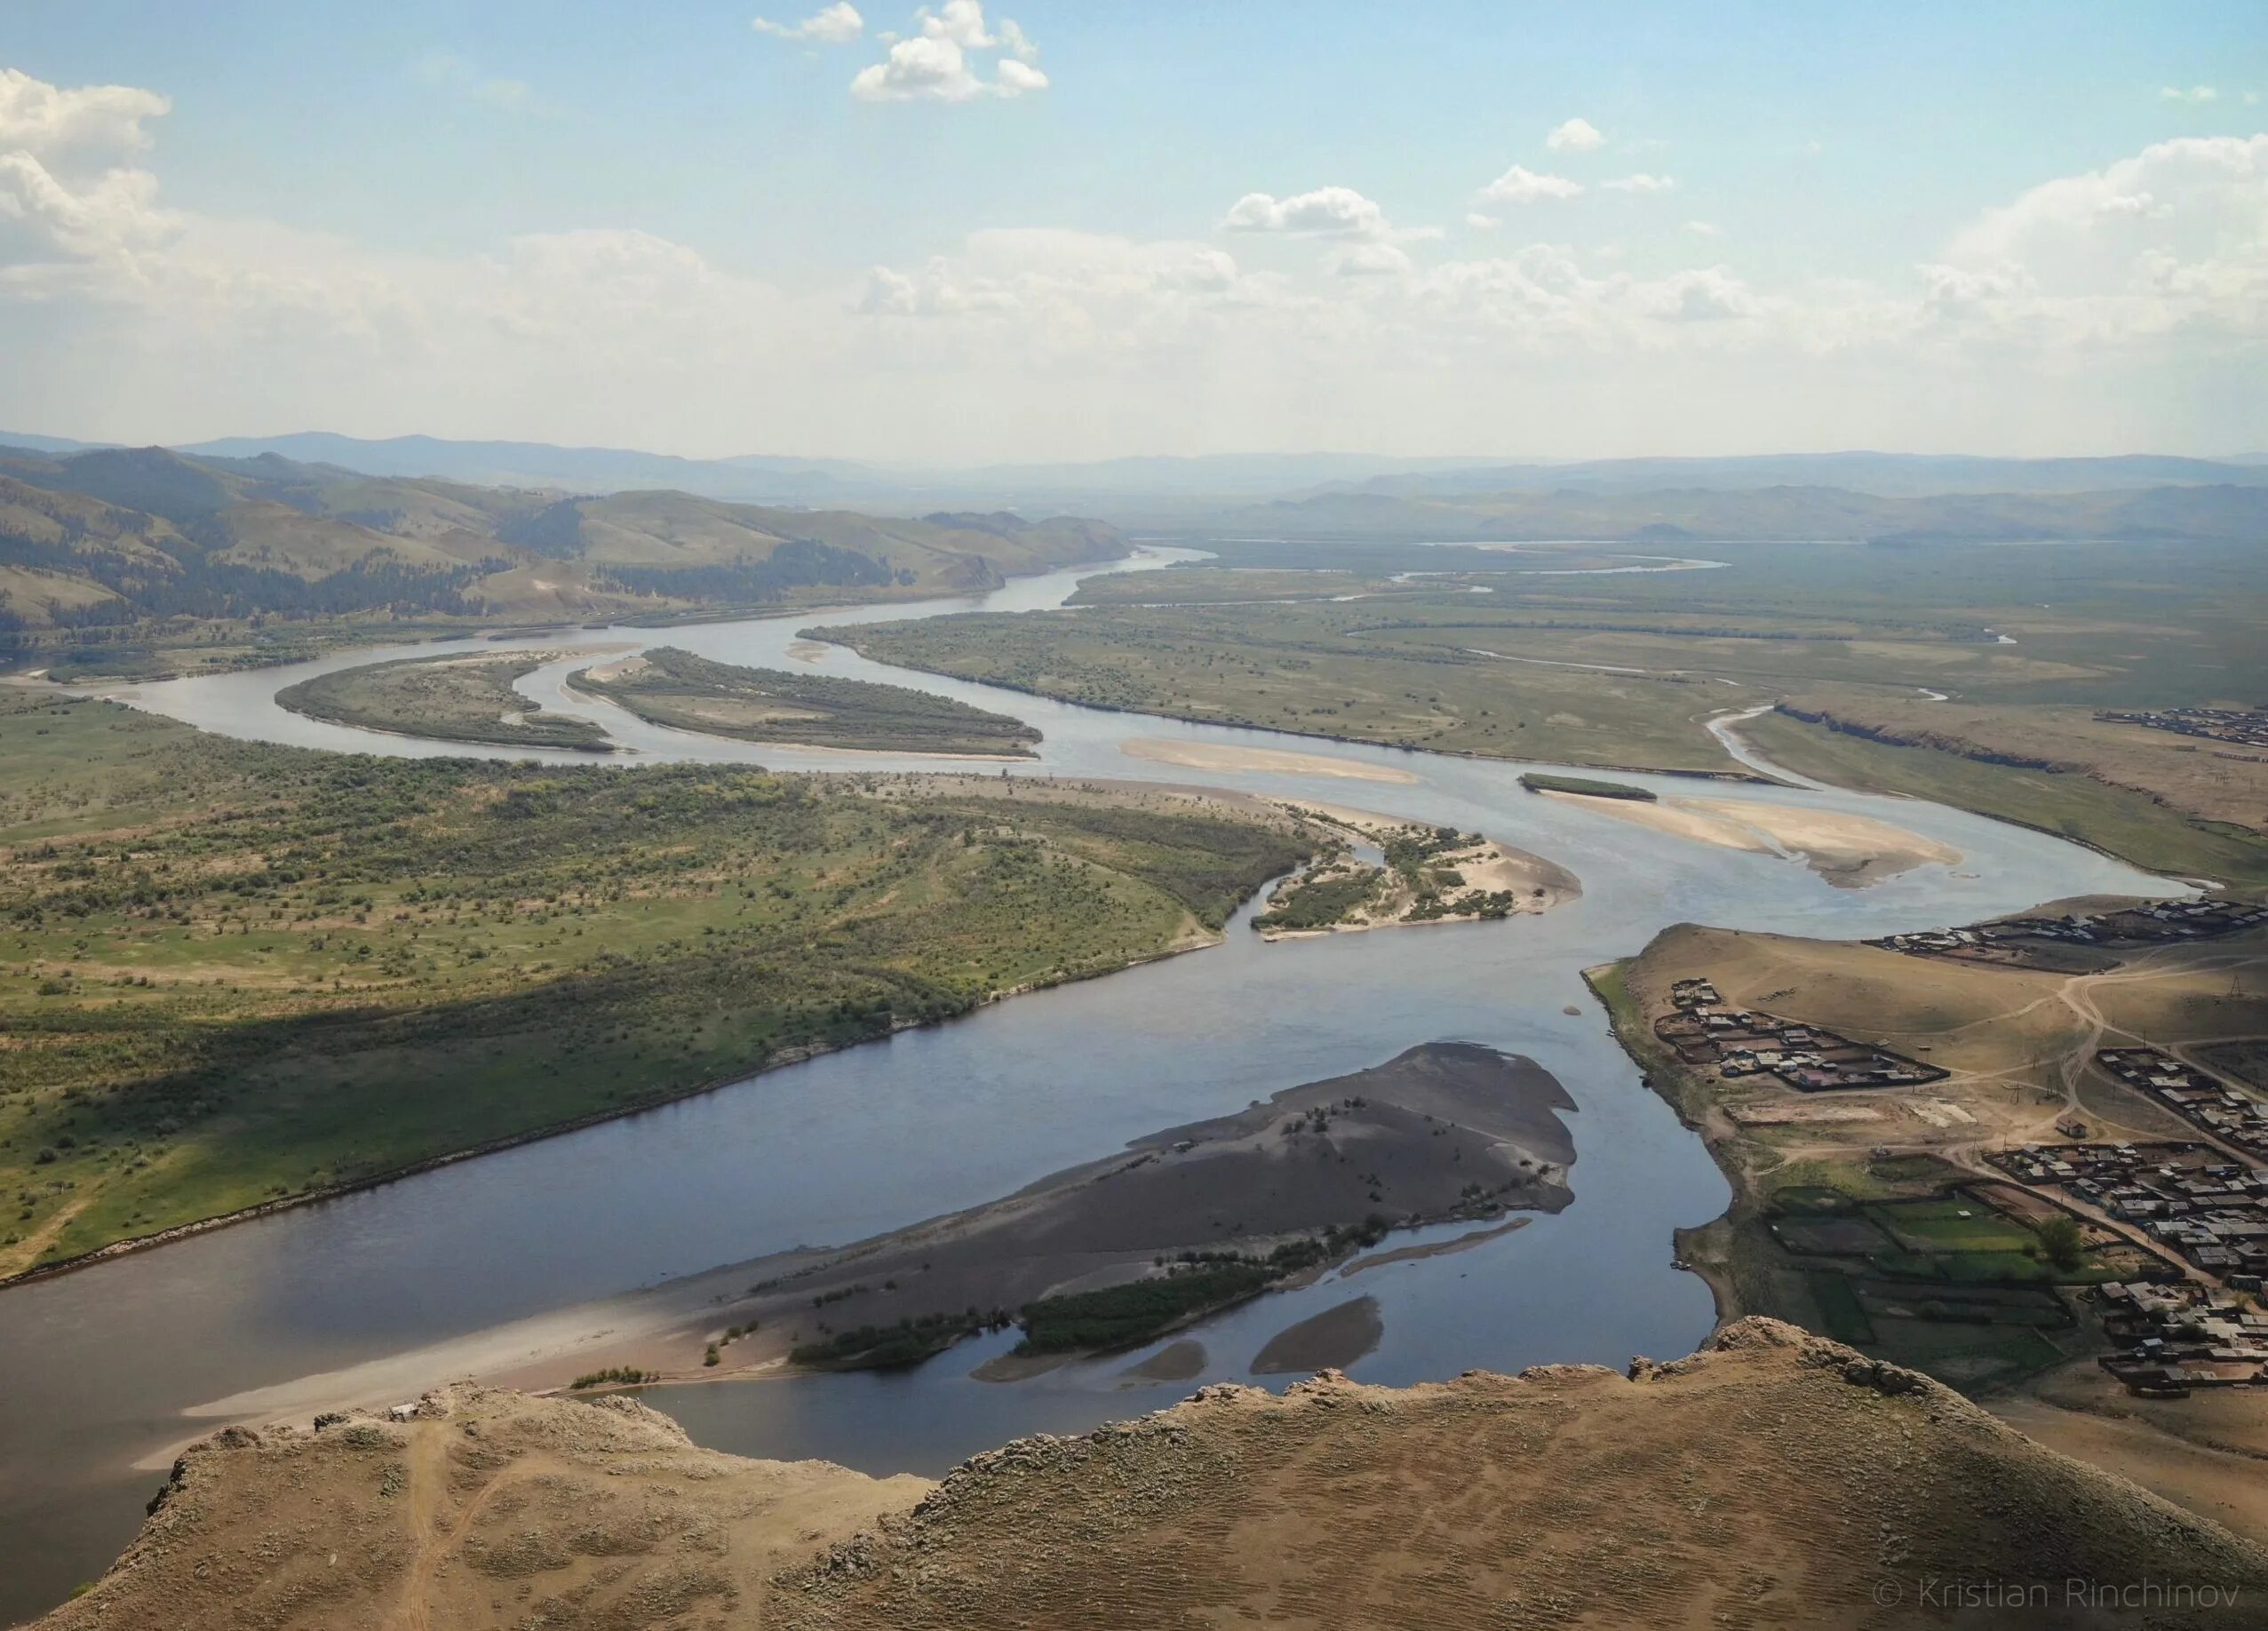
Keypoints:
(106, 1367)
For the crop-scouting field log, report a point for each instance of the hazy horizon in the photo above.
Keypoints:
(968, 234)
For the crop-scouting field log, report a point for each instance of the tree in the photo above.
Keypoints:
(2059, 1237)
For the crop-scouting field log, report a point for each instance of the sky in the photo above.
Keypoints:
(1038, 231)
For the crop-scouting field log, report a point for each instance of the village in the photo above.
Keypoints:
(2178, 1331)
(1746, 1042)
(2172, 1248)
(2245, 726)
(2237, 1119)
(2008, 940)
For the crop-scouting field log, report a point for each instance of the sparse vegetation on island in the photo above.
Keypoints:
(676, 687)
(460, 696)
(1424, 875)
(614, 1376)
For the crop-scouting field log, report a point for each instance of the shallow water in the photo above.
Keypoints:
(102, 1364)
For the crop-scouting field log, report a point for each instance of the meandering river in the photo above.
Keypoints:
(101, 1365)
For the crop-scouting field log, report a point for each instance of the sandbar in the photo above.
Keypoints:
(1331, 1340)
(1222, 756)
(1849, 850)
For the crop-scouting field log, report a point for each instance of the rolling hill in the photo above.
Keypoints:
(124, 539)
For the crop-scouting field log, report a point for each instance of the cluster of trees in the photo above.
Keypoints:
(1195, 1283)
(907, 1342)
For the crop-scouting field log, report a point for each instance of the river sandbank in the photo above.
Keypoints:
(1223, 756)
(1847, 849)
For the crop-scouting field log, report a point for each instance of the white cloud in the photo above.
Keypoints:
(39, 118)
(1543, 298)
(48, 222)
(447, 71)
(1521, 185)
(1640, 182)
(1704, 229)
(2175, 238)
(2196, 95)
(1575, 135)
(922, 67)
(833, 24)
(1368, 260)
(936, 64)
(1482, 223)
(1327, 211)
(2127, 305)
(962, 21)
(70, 215)
(1014, 77)
(1703, 294)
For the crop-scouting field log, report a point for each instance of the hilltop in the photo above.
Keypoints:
(1860, 1494)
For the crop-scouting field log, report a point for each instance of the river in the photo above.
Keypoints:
(103, 1365)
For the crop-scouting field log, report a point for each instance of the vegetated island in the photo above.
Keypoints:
(672, 687)
(1424, 874)
(1544, 781)
(1608, 1496)
(240, 975)
(462, 696)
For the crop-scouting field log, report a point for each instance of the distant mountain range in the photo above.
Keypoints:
(1173, 490)
(1887, 476)
(1668, 518)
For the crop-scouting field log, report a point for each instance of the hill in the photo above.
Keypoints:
(99, 548)
(1859, 1494)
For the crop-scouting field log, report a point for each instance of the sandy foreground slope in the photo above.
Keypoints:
(1774, 1479)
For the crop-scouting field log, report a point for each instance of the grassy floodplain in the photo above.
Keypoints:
(1319, 671)
(232, 974)
(2122, 821)
(674, 687)
(460, 696)
(1990, 660)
